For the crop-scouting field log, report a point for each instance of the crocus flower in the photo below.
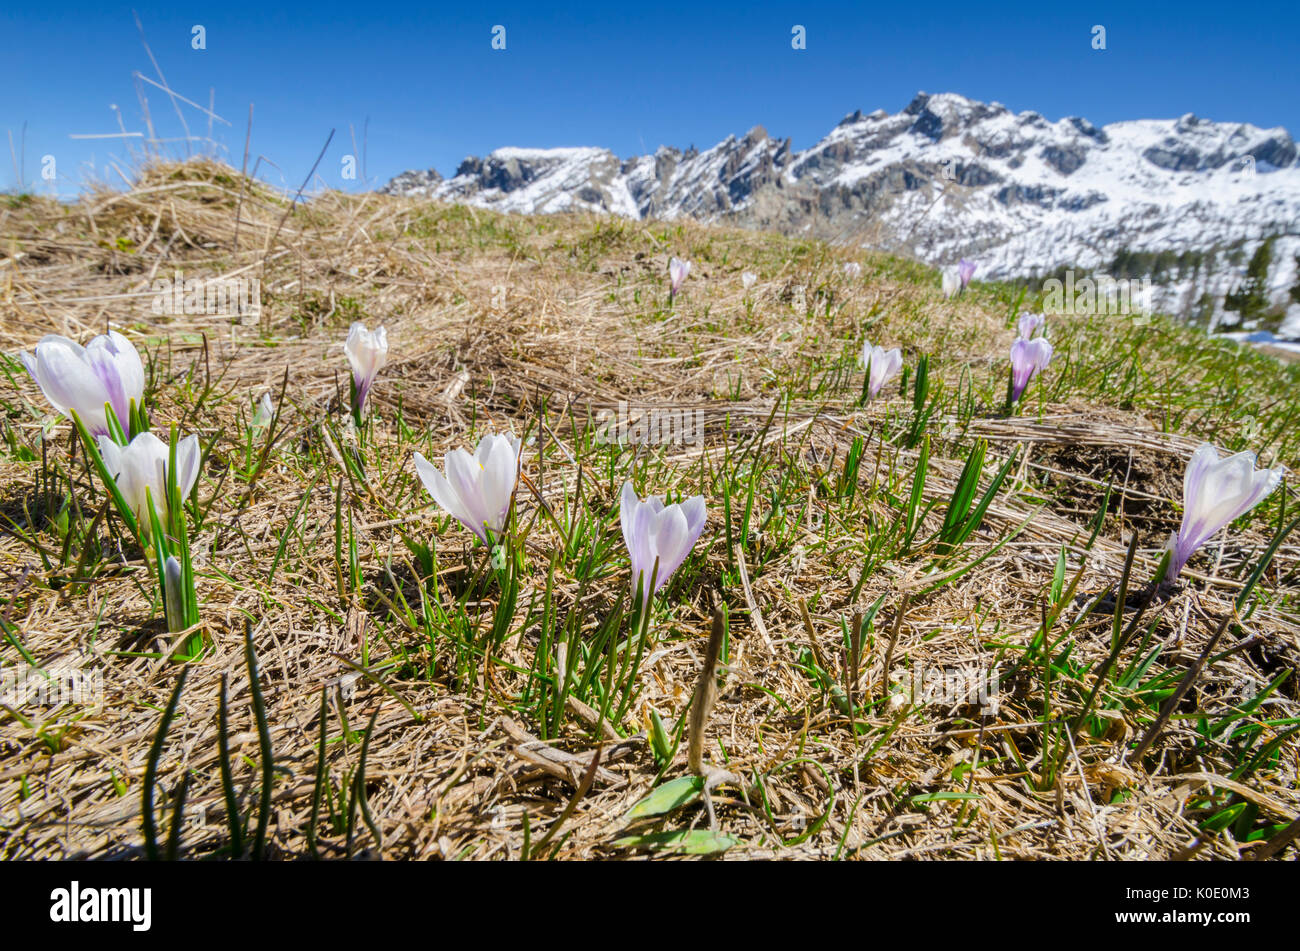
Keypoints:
(73, 377)
(951, 283)
(1216, 492)
(652, 530)
(965, 271)
(142, 464)
(367, 351)
(1027, 358)
(265, 411)
(477, 489)
(882, 364)
(1029, 323)
(852, 269)
(748, 279)
(677, 271)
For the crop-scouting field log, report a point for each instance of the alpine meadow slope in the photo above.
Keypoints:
(905, 600)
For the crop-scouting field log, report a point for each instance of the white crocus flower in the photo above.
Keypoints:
(852, 270)
(748, 278)
(477, 489)
(367, 351)
(951, 282)
(653, 531)
(82, 379)
(142, 464)
(1216, 492)
(883, 365)
(265, 411)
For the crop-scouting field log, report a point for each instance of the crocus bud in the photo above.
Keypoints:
(73, 377)
(142, 464)
(477, 489)
(1027, 358)
(677, 271)
(882, 365)
(965, 271)
(1029, 323)
(1216, 492)
(653, 531)
(367, 351)
(748, 278)
(852, 270)
(173, 594)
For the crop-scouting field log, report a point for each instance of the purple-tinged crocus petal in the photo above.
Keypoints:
(118, 366)
(677, 271)
(1217, 492)
(1029, 324)
(654, 531)
(883, 365)
(1028, 357)
(367, 351)
(965, 271)
(83, 379)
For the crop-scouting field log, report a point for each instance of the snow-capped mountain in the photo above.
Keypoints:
(1187, 201)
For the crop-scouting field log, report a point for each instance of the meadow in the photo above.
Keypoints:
(915, 625)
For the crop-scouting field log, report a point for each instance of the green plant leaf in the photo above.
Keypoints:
(666, 798)
(683, 842)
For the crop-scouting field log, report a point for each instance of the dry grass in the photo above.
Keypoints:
(495, 320)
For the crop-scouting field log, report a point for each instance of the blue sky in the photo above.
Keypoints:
(627, 77)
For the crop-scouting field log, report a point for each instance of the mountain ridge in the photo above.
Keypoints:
(949, 177)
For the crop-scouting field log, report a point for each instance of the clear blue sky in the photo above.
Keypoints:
(629, 77)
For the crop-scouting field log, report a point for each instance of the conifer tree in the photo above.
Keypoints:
(1250, 299)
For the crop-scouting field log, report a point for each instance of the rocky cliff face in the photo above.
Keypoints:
(949, 177)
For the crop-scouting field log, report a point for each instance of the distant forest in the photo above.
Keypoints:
(1246, 306)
